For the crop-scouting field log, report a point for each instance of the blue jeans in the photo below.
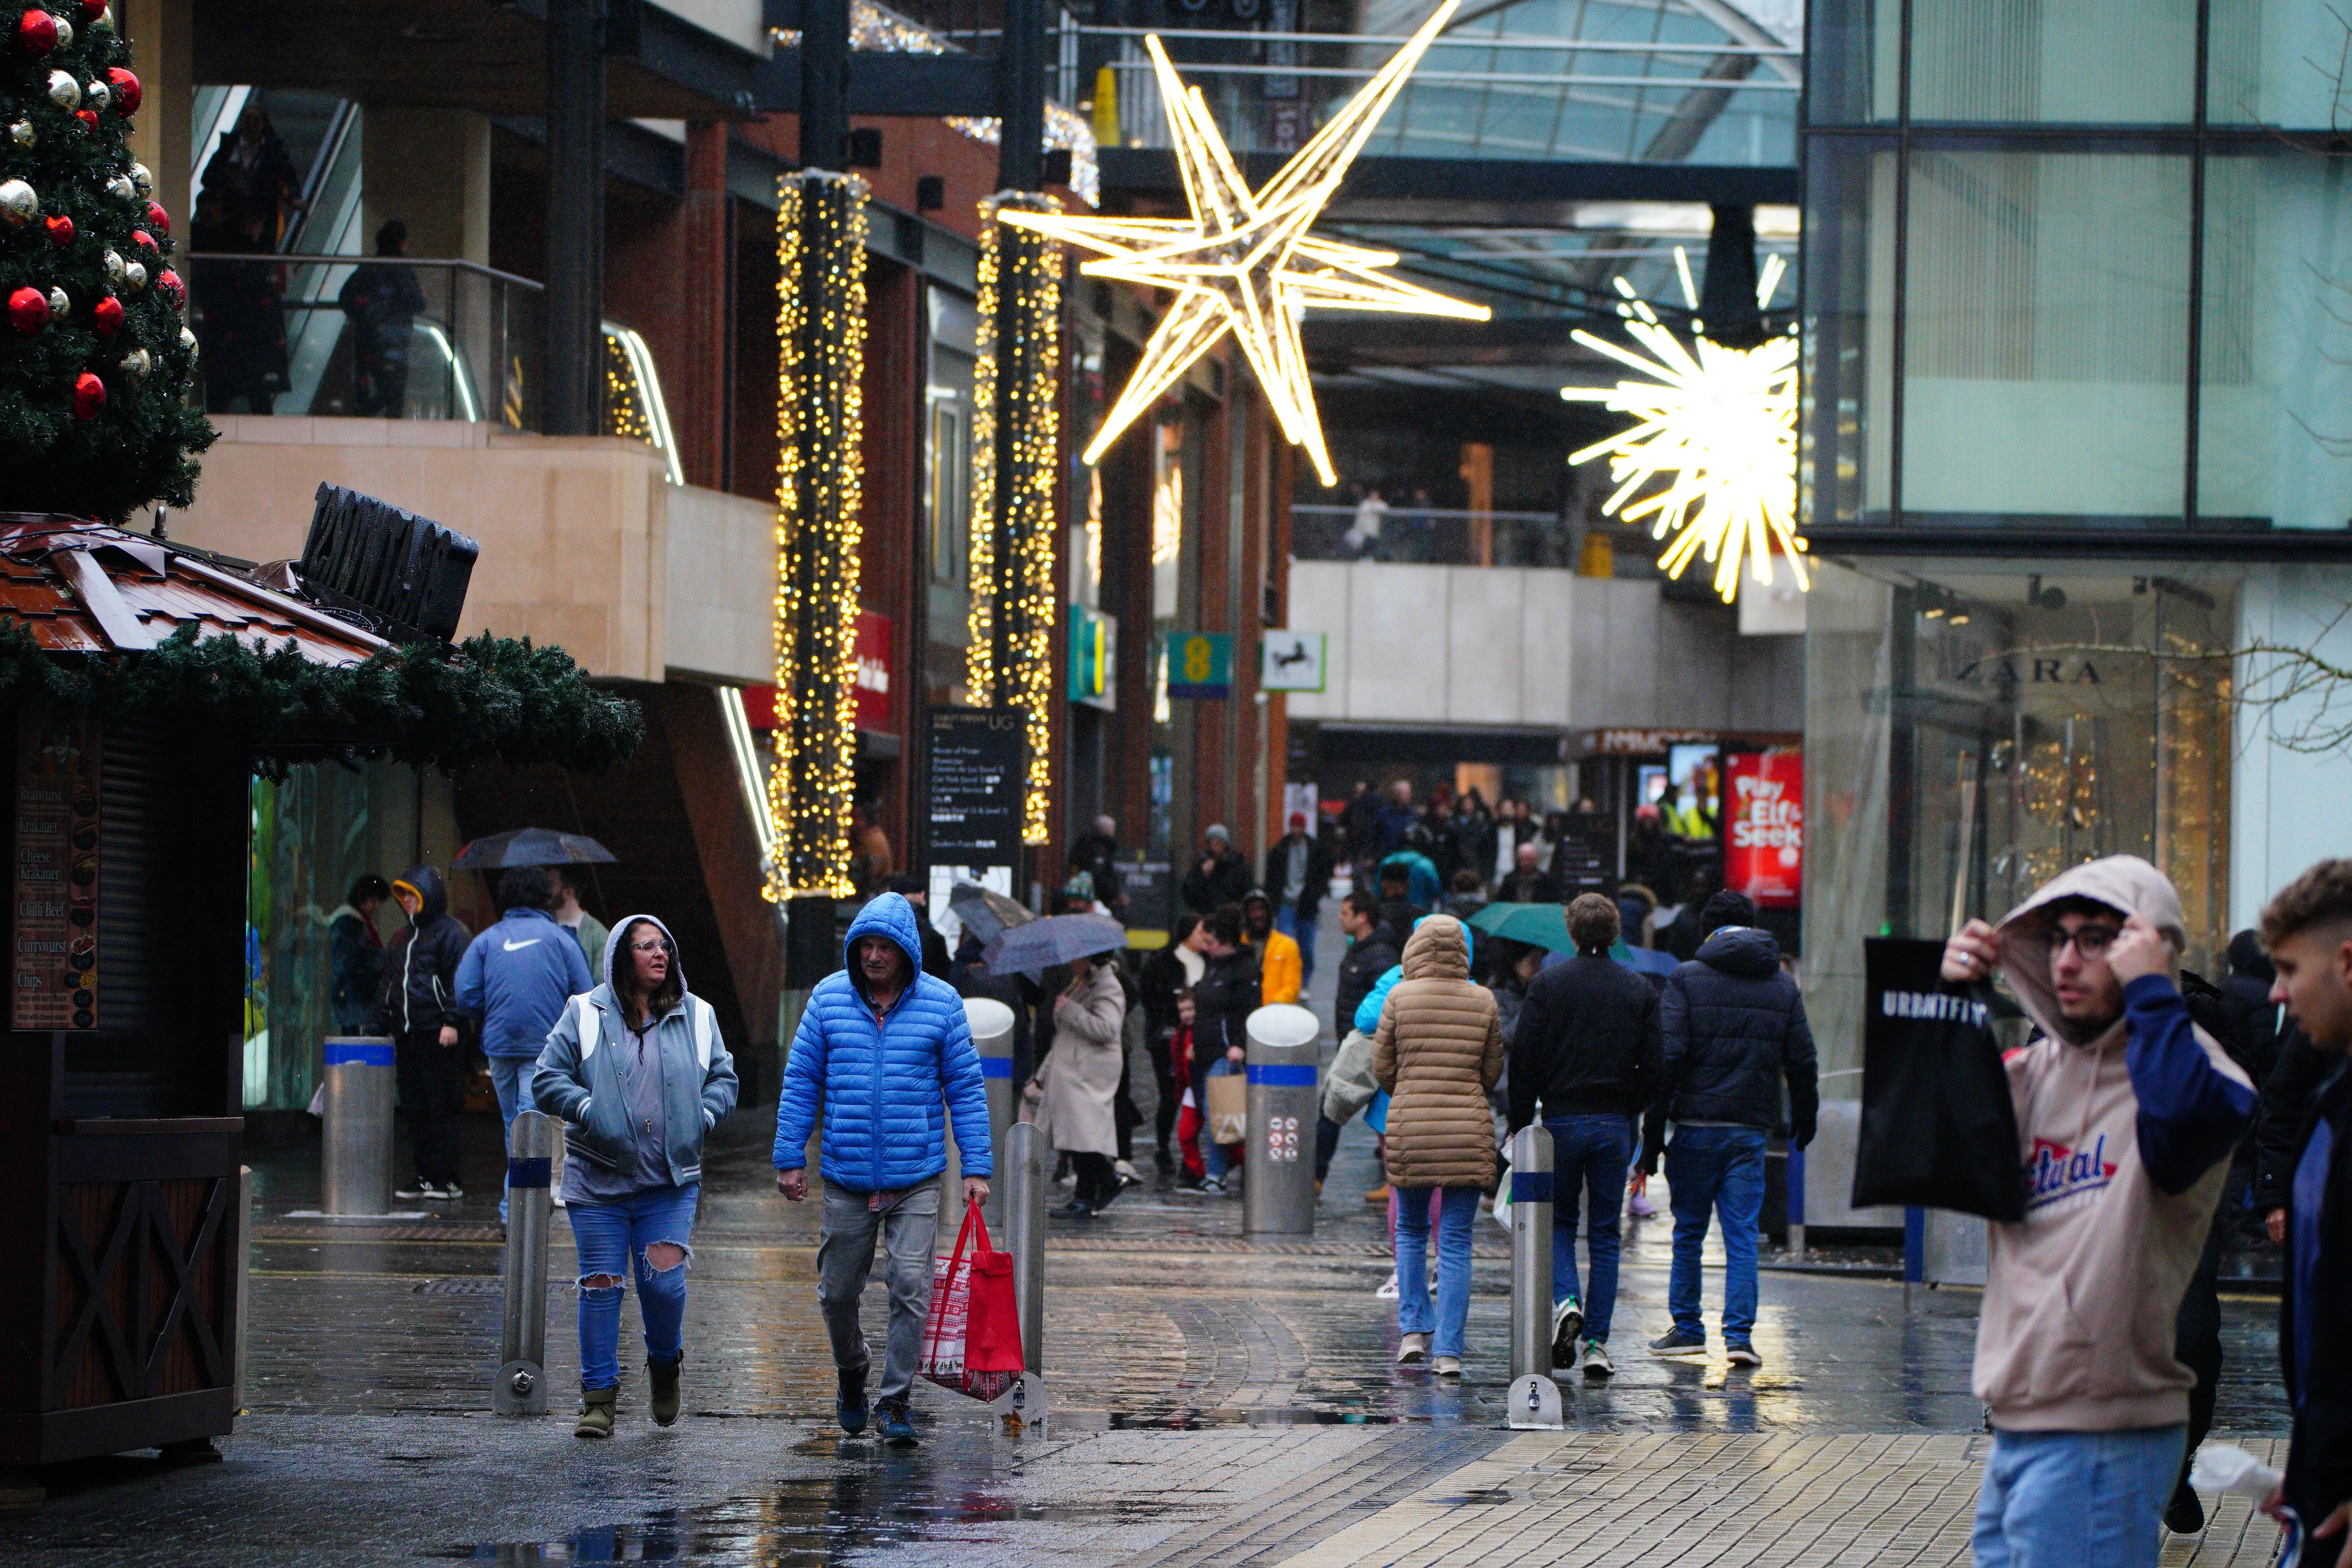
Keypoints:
(1717, 1169)
(1302, 932)
(1212, 1153)
(1590, 1157)
(511, 1076)
(611, 1238)
(2084, 1499)
(1458, 1213)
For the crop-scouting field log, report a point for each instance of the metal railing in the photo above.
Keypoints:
(385, 338)
(1432, 536)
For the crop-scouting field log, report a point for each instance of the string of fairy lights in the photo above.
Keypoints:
(821, 341)
(1017, 407)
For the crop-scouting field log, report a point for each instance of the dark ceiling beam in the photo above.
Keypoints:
(1463, 191)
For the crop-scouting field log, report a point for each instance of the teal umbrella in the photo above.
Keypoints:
(1538, 925)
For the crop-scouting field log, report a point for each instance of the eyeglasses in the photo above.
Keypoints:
(656, 945)
(2090, 940)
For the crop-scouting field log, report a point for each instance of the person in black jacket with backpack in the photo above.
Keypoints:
(1587, 1049)
(1734, 1028)
(2308, 931)
(419, 1008)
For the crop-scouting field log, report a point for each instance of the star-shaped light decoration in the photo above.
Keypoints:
(1723, 422)
(1243, 261)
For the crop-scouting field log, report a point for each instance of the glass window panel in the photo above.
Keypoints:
(1854, 63)
(2109, 62)
(2279, 62)
(2046, 338)
(1846, 379)
(2274, 426)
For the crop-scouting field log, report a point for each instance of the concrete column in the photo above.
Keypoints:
(575, 216)
(162, 56)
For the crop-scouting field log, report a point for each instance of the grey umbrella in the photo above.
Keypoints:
(987, 915)
(531, 847)
(1057, 939)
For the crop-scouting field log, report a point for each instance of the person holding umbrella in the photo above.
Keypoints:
(1079, 1081)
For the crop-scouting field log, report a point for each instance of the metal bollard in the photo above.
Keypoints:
(1278, 1173)
(991, 1023)
(1535, 1397)
(355, 1175)
(520, 1388)
(1021, 1176)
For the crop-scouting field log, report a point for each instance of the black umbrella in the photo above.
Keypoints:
(986, 914)
(1057, 939)
(531, 847)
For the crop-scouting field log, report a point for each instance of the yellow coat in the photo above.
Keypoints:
(1279, 970)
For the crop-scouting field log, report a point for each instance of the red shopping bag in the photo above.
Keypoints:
(971, 1341)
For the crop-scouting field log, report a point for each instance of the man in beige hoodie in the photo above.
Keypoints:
(2126, 1114)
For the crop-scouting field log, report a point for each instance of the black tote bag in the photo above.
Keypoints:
(1937, 1127)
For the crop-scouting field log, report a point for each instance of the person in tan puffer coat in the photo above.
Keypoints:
(1438, 1050)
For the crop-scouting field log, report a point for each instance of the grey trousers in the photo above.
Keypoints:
(908, 1226)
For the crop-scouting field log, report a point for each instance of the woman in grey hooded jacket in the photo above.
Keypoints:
(639, 1073)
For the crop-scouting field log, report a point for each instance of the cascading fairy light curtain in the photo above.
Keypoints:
(1018, 409)
(821, 338)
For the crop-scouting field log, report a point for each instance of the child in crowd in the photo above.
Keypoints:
(1189, 1118)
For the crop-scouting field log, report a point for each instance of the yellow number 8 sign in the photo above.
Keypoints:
(1200, 664)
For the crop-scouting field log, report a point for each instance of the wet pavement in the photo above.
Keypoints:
(1213, 1399)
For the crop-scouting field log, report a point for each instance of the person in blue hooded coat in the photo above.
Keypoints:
(883, 1058)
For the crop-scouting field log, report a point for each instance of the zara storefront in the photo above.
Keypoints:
(2076, 464)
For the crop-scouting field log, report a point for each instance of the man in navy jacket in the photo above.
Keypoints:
(884, 1058)
(516, 978)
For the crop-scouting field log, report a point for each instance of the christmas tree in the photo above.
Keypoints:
(97, 364)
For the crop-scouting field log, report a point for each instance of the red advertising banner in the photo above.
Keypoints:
(1764, 805)
(872, 671)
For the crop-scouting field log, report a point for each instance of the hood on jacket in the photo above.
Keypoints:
(1746, 952)
(2249, 962)
(431, 892)
(1439, 949)
(614, 947)
(884, 915)
(2124, 883)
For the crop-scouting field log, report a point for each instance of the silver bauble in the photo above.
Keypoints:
(18, 204)
(58, 303)
(188, 341)
(65, 31)
(21, 133)
(136, 365)
(121, 189)
(134, 276)
(97, 95)
(113, 265)
(64, 91)
(142, 180)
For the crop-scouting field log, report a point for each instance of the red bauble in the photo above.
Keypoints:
(88, 118)
(61, 230)
(106, 315)
(28, 310)
(169, 281)
(141, 237)
(158, 219)
(36, 32)
(88, 396)
(91, 10)
(126, 92)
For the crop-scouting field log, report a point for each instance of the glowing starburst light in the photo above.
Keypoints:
(1720, 425)
(1243, 261)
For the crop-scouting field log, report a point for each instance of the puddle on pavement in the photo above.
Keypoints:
(815, 1520)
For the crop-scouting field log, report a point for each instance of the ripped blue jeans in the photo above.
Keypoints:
(613, 1236)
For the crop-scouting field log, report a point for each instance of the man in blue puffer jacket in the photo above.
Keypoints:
(884, 1056)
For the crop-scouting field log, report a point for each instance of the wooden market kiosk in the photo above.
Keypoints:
(120, 1088)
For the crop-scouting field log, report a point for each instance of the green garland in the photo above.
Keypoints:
(488, 697)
